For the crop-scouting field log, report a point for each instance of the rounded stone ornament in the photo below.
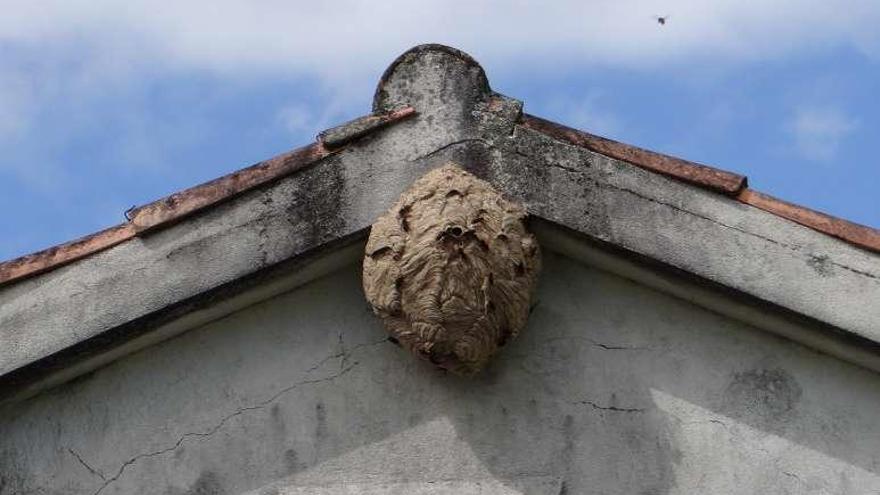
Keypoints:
(451, 268)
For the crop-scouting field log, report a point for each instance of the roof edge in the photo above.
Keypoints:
(722, 181)
(175, 207)
(183, 203)
(62, 254)
(859, 235)
(718, 180)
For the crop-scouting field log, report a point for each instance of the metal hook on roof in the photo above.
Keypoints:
(128, 213)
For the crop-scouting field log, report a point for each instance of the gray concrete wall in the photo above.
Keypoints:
(614, 388)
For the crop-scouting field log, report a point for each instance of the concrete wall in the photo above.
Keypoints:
(613, 389)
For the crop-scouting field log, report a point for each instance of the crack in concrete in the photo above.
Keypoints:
(617, 347)
(711, 421)
(257, 406)
(792, 475)
(454, 143)
(342, 353)
(595, 343)
(563, 167)
(611, 408)
(86, 465)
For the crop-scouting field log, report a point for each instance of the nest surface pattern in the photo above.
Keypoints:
(450, 269)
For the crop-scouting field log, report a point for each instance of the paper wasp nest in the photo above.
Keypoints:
(450, 269)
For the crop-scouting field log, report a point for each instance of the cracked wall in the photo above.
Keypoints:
(614, 388)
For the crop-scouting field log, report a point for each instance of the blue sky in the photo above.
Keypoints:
(105, 105)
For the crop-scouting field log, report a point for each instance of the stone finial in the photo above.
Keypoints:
(450, 269)
(432, 78)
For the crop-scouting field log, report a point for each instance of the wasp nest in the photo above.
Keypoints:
(450, 269)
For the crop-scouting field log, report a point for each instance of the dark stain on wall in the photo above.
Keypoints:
(291, 461)
(414, 419)
(568, 434)
(821, 264)
(277, 422)
(208, 483)
(320, 422)
(767, 395)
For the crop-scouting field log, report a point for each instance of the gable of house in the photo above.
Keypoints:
(672, 349)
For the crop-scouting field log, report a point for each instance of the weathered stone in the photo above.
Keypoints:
(450, 269)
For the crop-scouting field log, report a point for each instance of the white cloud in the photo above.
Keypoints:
(296, 118)
(586, 112)
(819, 131)
(16, 106)
(349, 37)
